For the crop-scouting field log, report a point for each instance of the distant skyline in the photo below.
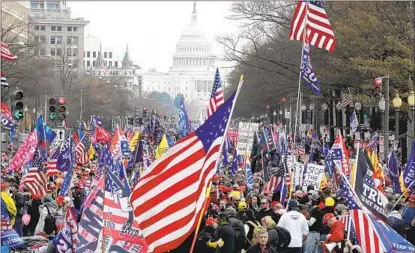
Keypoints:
(151, 29)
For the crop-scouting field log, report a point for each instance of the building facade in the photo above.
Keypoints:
(125, 75)
(56, 34)
(112, 57)
(192, 73)
(14, 21)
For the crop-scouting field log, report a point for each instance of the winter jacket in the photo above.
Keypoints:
(43, 211)
(396, 221)
(297, 225)
(336, 232)
(203, 238)
(408, 215)
(227, 234)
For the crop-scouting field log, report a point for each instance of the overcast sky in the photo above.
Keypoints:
(151, 29)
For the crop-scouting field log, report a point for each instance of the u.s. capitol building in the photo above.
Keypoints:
(192, 73)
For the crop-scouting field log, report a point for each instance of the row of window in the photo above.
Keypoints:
(95, 53)
(88, 63)
(56, 28)
(193, 49)
(57, 40)
(35, 5)
(71, 52)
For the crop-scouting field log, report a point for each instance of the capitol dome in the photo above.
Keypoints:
(193, 50)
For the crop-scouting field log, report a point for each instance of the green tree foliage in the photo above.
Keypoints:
(373, 39)
(176, 101)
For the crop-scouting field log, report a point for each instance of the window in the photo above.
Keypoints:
(75, 64)
(110, 55)
(56, 40)
(42, 28)
(59, 28)
(88, 63)
(71, 40)
(110, 63)
(53, 28)
(75, 28)
(58, 51)
(94, 54)
(69, 28)
(52, 40)
(37, 28)
(116, 64)
(33, 5)
(88, 54)
(105, 54)
(93, 63)
(52, 6)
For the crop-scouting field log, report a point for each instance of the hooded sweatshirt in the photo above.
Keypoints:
(297, 225)
(43, 211)
(336, 232)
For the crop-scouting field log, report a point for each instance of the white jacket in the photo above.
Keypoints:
(296, 224)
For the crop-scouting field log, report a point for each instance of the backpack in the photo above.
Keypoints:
(239, 237)
(50, 223)
(284, 238)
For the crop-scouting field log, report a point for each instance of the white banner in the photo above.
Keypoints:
(313, 176)
(298, 174)
(246, 132)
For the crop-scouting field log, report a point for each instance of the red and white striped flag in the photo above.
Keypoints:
(365, 234)
(216, 97)
(36, 181)
(310, 16)
(6, 54)
(51, 164)
(168, 198)
(81, 155)
(272, 184)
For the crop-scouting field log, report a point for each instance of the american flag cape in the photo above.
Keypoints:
(168, 198)
(216, 98)
(311, 17)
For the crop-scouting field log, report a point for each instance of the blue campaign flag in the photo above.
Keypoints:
(391, 240)
(409, 172)
(249, 176)
(170, 141)
(393, 172)
(354, 123)
(234, 167)
(307, 72)
(184, 124)
(225, 152)
(45, 134)
(65, 157)
(66, 182)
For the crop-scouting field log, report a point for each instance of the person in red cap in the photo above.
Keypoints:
(409, 213)
(205, 239)
(337, 228)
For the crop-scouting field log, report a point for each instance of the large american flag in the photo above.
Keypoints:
(311, 17)
(216, 97)
(81, 153)
(36, 181)
(168, 198)
(272, 184)
(6, 54)
(51, 164)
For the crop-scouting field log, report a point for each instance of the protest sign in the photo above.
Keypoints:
(313, 176)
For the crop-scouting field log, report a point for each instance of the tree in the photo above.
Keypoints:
(374, 39)
(163, 97)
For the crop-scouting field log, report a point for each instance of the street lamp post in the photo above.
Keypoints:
(275, 115)
(339, 116)
(382, 105)
(358, 106)
(312, 121)
(325, 107)
(397, 103)
(25, 118)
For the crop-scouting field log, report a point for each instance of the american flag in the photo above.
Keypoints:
(216, 98)
(51, 164)
(168, 198)
(6, 54)
(4, 82)
(81, 153)
(272, 184)
(311, 16)
(36, 181)
(346, 99)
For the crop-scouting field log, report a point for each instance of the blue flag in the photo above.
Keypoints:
(409, 172)
(184, 124)
(249, 176)
(393, 172)
(66, 183)
(65, 157)
(307, 72)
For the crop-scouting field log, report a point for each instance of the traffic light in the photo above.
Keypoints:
(17, 105)
(144, 112)
(130, 121)
(377, 83)
(52, 108)
(62, 109)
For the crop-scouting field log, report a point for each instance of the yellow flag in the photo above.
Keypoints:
(403, 188)
(134, 141)
(163, 146)
(91, 152)
(323, 181)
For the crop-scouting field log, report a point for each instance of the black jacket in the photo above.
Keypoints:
(205, 236)
(227, 234)
(261, 214)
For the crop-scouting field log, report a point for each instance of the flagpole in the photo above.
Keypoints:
(409, 187)
(241, 81)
